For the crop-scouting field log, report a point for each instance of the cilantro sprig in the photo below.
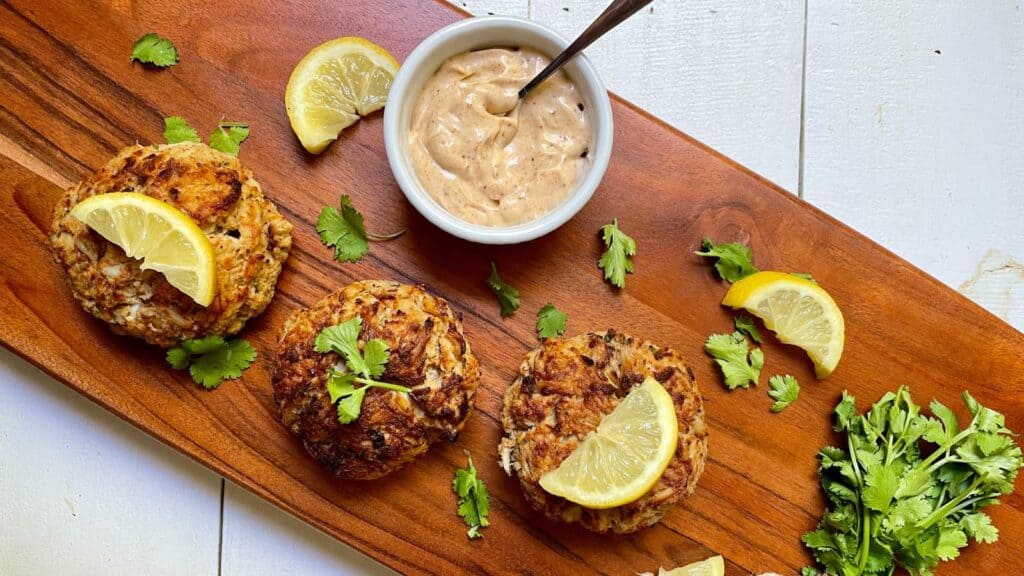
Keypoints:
(550, 322)
(740, 366)
(211, 360)
(908, 489)
(474, 501)
(733, 261)
(345, 231)
(507, 295)
(153, 49)
(617, 260)
(364, 366)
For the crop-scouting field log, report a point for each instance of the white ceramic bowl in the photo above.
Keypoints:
(490, 32)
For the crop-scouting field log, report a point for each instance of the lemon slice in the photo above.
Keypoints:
(621, 460)
(714, 566)
(799, 311)
(336, 83)
(164, 238)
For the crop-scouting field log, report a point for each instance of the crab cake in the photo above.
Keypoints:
(563, 391)
(429, 354)
(250, 239)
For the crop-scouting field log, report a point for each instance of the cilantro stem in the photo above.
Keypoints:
(865, 514)
(865, 541)
(384, 237)
(395, 387)
(945, 510)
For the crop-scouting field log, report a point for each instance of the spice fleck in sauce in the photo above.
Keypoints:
(486, 160)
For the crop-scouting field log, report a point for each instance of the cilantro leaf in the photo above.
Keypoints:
(617, 260)
(474, 500)
(979, 526)
(178, 358)
(845, 412)
(951, 540)
(342, 391)
(339, 385)
(211, 360)
(198, 346)
(881, 485)
(227, 137)
(508, 297)
(155, 50)
(363, 365)
(734, 261)
(344, 339)
(784, 390)
(375, 357)
(746, 325)
(731, 354)
(176, 129)
(351, 405)
(550, 322)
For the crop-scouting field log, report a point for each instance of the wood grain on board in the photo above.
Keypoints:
(71, 99)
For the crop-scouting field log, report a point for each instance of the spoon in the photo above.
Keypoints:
(616, 12)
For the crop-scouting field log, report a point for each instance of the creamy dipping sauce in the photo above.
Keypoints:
(484, 167)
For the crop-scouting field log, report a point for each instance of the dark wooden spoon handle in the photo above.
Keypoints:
(613, 15)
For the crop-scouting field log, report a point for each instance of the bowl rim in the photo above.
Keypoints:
(600, 149)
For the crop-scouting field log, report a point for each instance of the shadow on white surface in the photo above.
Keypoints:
(262, 540)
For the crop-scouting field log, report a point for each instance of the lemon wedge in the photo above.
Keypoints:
(163, 237)
(714, 566)
(621, 460)
(334, 85)
(799, 311)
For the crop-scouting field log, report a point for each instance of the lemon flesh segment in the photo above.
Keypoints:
(714, 566)
(334, 85)
(624, 458)
(163, 237)
(798, 311)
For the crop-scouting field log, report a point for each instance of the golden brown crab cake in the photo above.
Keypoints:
(563, 391)
(429, 354)
(250, 238)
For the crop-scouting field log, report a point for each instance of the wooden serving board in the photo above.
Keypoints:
(69, 99)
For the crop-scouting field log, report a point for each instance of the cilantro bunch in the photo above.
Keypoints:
(908, 490)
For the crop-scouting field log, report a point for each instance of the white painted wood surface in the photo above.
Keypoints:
(920, 151)
(82, 492)
(261, 539)
(914, 135)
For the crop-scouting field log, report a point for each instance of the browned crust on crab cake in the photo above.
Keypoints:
(250, 238)
(563, 390)
(429, 353)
